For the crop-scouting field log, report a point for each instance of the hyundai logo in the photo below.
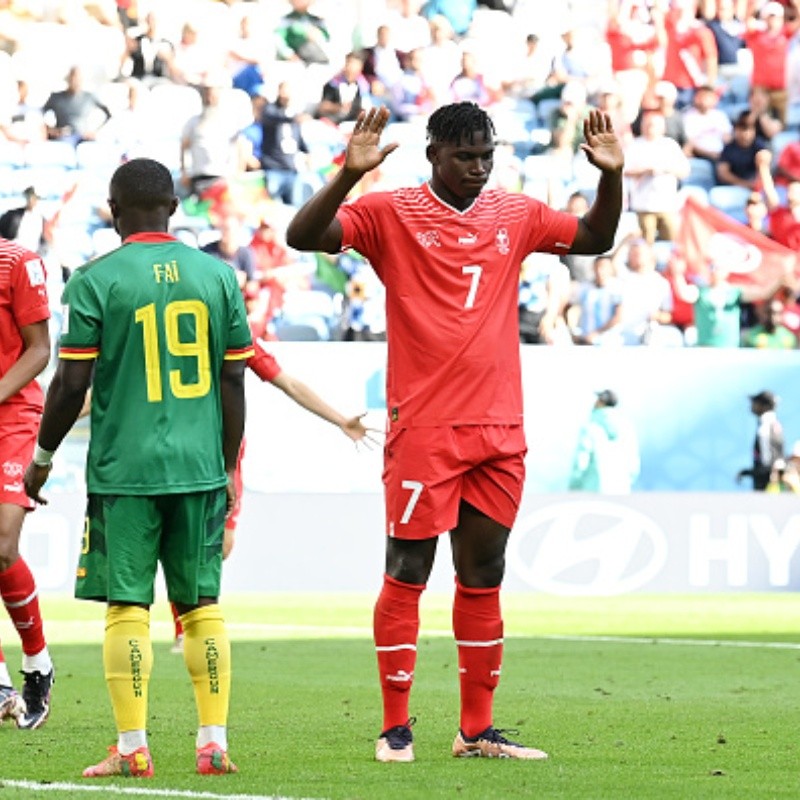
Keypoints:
(586, 548)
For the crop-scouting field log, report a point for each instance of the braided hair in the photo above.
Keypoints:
(459, 122)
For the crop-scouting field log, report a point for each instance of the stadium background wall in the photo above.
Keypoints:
(312, 517)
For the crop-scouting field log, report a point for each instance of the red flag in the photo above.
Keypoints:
(708, 236)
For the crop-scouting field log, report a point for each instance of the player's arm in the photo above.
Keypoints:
(597, 228)
(34, 358)
(65, 398)
(307, 398)
(315, 226)
(233, 405)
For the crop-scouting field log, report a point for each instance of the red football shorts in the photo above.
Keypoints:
(232, 520)
(17, 440)
(428, 471)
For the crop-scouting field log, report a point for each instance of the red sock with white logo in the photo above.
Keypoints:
(176, 619)
(478, 629)
(21, 598)
(396, 627)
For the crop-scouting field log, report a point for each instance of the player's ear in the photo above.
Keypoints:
(173, 205)
(432, 153)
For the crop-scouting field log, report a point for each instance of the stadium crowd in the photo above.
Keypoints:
(250, 104)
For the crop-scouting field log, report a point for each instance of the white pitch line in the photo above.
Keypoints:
(134, 791)
(669, 640)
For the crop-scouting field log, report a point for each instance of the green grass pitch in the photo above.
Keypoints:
(691, 698)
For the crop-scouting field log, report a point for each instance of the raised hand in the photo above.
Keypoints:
(602, 147)
(364, 152)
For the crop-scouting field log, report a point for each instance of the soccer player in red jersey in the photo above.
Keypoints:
(25, 351)
(449, 255)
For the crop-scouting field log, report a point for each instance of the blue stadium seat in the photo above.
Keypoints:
(780, 140)
(701, 173)
(730, 199)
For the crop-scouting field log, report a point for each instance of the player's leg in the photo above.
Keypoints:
(177, 641)
(17, 585)
(396, 629)
(118, 563)
(492, 494)
(421, 495)
(192, 561)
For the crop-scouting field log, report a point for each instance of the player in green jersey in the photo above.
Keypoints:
(160, 330)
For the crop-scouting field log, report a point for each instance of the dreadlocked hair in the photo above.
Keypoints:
(458, 122)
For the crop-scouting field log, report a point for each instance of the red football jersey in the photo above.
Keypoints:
(23, 301)
(452, 292)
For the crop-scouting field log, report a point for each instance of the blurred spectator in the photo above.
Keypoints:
(609, 99)
(302, 36)
(646, 300)
(662, 98)
(441, 59)
(571, 112)
(364, 311)
(585, 58)
(691, 58)
(132, 127)
(654, 165)
(231, 249)
(529, 69)
(383, 66)
(755, 211)
(768, 39)
(148, 54)
(253, 134)
(599, 307)
(632, 38)
(606, 458)
(543, 299)
(470, 83)
(283, 147)
(194, 58)
(718, 305)
(792, 73)
(410, 30)
(787, 168)
(346, 93)
(25, 224)
(211, 146)
(720, 17)
(458, 13)
(736, 165)
(708, 128)
(763, 114)
(412, 94)
(24, 121)
(74, 114)
(784, 221)
(768, 443)
(770, 333)
(248, 50)
(271, 260)
(581, 268)
(682, 308)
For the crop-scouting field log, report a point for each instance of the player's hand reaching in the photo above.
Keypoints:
(602, 147)
(355, 429)
(363, 150)
(36, 477)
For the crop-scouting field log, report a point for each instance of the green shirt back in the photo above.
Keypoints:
(159, 317)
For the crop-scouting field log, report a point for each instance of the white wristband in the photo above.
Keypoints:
(42, 457)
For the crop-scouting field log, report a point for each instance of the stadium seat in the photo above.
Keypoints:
(51, 154)
(701, 173)
(311, 329)
(737, 89)
(691, 190)
(793, 117)
(98, 155)
(12, 154)
(545, 109)
(780, 140)
(730, 199)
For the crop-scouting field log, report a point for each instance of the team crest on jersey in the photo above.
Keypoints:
(502, 241)
(35, 272)
(12, 469)
(429, 238)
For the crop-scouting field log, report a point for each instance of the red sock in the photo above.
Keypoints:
(18, 590)
(478, 629)
(176, 620)
(396, 627)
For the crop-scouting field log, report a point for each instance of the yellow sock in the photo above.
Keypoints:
(207, 653)
(128, 661)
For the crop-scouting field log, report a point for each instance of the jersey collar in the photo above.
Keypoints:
(150, 237)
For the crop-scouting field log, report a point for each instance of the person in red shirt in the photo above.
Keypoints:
(784, 221)
(25, 351)
(787, 168)
(691, 57)
(768, 39)
(449, 255)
